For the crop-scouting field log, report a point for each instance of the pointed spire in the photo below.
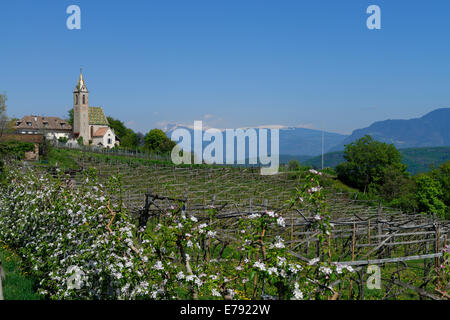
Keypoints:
(81, 85)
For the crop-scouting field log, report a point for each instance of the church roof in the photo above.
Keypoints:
(42, 123)
(101, 132)
(97, 116)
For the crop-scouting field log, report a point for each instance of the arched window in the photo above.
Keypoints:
(84, 100)
(76, 99)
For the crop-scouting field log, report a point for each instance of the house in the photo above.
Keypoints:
(52, 128)
(104, 137)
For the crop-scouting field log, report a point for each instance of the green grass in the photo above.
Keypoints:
(17, 285)
(61, 158)
(65, 158)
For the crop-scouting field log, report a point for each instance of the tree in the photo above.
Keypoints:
(140, 139)
(366, 163)
(399, 190)
(70, 120)
(3, 117)
(293, 165)
(429, 194)
(128, 137)
(442, 174)
(157, 141)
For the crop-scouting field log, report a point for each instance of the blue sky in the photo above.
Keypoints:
(230, 63)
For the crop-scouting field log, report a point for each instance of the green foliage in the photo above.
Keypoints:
(128, 138)
(417, 160)
(398, 190)
(367, 161)
(157, 141)
(45, 148)
(15, 148)
(70, 119)
(63, 139)
(293, 165)
(442, 174)
(80, 141)
(429, 194)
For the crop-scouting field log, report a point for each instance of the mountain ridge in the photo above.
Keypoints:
(430, 130)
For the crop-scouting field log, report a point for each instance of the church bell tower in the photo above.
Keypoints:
(81, 111)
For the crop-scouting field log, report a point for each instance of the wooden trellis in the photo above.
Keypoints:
(364, 233)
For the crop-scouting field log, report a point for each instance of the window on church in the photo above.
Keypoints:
(84, 100)
(76, 99)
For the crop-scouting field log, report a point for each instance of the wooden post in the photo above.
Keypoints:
(437, 243)
(353, 242)
(361, 284)
(292, 229)
(380, 216)
(2, 277)
(425, 263)
(353, 258)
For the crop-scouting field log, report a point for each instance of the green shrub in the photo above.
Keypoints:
(15, 148)
(429, 194)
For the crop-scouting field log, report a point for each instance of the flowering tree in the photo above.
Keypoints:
(82, 244)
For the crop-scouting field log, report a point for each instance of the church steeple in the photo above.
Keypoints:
(81, 85)
(81, 110)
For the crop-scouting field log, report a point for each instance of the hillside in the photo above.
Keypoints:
(417, 159)
(431, 130)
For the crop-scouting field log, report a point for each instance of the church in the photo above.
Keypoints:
(89, 123)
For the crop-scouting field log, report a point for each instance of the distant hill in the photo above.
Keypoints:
(285, 158)
(431, 130)
(417, 159)
(307, 142)
(293, 140)
(330, 159)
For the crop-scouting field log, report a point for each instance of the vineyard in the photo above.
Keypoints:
(141, 230)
